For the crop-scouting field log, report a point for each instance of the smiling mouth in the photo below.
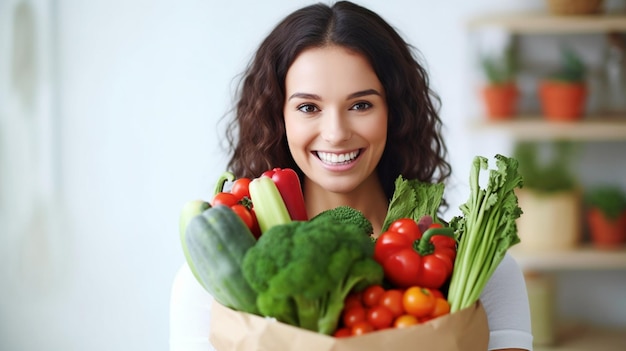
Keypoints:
(338, 159)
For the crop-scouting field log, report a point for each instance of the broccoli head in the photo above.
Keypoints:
(304, 270)
(350, 215)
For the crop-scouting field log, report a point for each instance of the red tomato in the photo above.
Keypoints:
(240, 188)
(380, 317)
(362, 327)
(372, 294)
(244, 214)
(437, 293)
(392, 299)
(405, 320)
(342, 332)
(418, 301)
(353, 300)
(226, 199)
(353, 316)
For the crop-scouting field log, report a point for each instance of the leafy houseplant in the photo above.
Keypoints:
(550, 198)
(606, 215)
(500, 94)
(563, 95)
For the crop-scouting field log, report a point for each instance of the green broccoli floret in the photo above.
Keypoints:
(304, 270)
(350, 215)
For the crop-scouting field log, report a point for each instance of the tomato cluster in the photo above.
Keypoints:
(377, 308)
(238, 199)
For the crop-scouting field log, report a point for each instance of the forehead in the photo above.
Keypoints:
(331, 68)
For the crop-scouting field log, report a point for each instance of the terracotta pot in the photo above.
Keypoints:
(605, 232)
(562, 101)
(500, 100)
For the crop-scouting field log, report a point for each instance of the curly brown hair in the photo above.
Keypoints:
(256, 136)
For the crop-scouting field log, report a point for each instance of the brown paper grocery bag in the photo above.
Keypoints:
(465, 330)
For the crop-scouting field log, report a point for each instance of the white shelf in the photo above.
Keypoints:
(583, 258)
(585, 338)
(593, 128)
(544, 23)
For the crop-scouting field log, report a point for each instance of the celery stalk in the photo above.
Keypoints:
(486, 229)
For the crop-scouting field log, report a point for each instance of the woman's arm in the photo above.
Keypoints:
(505, 300)
(190, 313)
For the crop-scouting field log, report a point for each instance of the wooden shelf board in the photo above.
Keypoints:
(595, 128)
(584, 338)
(583, 258)
(545, 23)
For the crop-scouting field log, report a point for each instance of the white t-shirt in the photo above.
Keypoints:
(504, 298)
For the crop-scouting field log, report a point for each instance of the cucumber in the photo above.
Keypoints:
(217, 241)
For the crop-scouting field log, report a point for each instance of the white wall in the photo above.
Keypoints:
(141, 86)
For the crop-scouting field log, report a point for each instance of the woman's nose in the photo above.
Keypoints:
(335, 127)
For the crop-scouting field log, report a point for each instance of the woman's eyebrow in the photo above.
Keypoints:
(362, 93)
(355, 95)
(305, 96)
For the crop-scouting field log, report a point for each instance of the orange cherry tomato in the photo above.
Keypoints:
(442, 307)
(405, 320)
(418, 301)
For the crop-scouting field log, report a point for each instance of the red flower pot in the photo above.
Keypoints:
(606, 232)
(562, 101)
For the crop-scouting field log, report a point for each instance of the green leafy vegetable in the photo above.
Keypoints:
(486, 230)
(414, 199)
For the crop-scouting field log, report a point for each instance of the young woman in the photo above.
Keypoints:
(337, 95)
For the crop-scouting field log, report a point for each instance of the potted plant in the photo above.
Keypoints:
(563, 95)
(500, 93)
(606, 215)
(550, 198)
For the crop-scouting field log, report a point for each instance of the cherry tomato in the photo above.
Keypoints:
(361, 327)
(372, 294)
(418, 301)
(240, 188)
(437, 293)
(405, 320)
(353, 316)
(244, 214)
(392, 299)
(226, 199)
(442, 307)
(379, 317)
(342, 332)
(353, 300)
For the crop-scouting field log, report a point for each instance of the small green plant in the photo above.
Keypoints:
(609, 199)
(500, 70)
(572, 69)
(549, 175)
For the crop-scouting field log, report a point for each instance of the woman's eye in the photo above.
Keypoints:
(307, 108)
(361, 106)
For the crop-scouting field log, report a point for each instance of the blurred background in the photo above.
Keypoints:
(110, 121)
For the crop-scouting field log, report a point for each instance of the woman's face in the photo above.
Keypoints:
(335, 117)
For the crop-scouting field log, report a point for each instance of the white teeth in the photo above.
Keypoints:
(327, 157)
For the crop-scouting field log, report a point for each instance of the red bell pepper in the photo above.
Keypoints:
(288, 184)
(410, 259)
